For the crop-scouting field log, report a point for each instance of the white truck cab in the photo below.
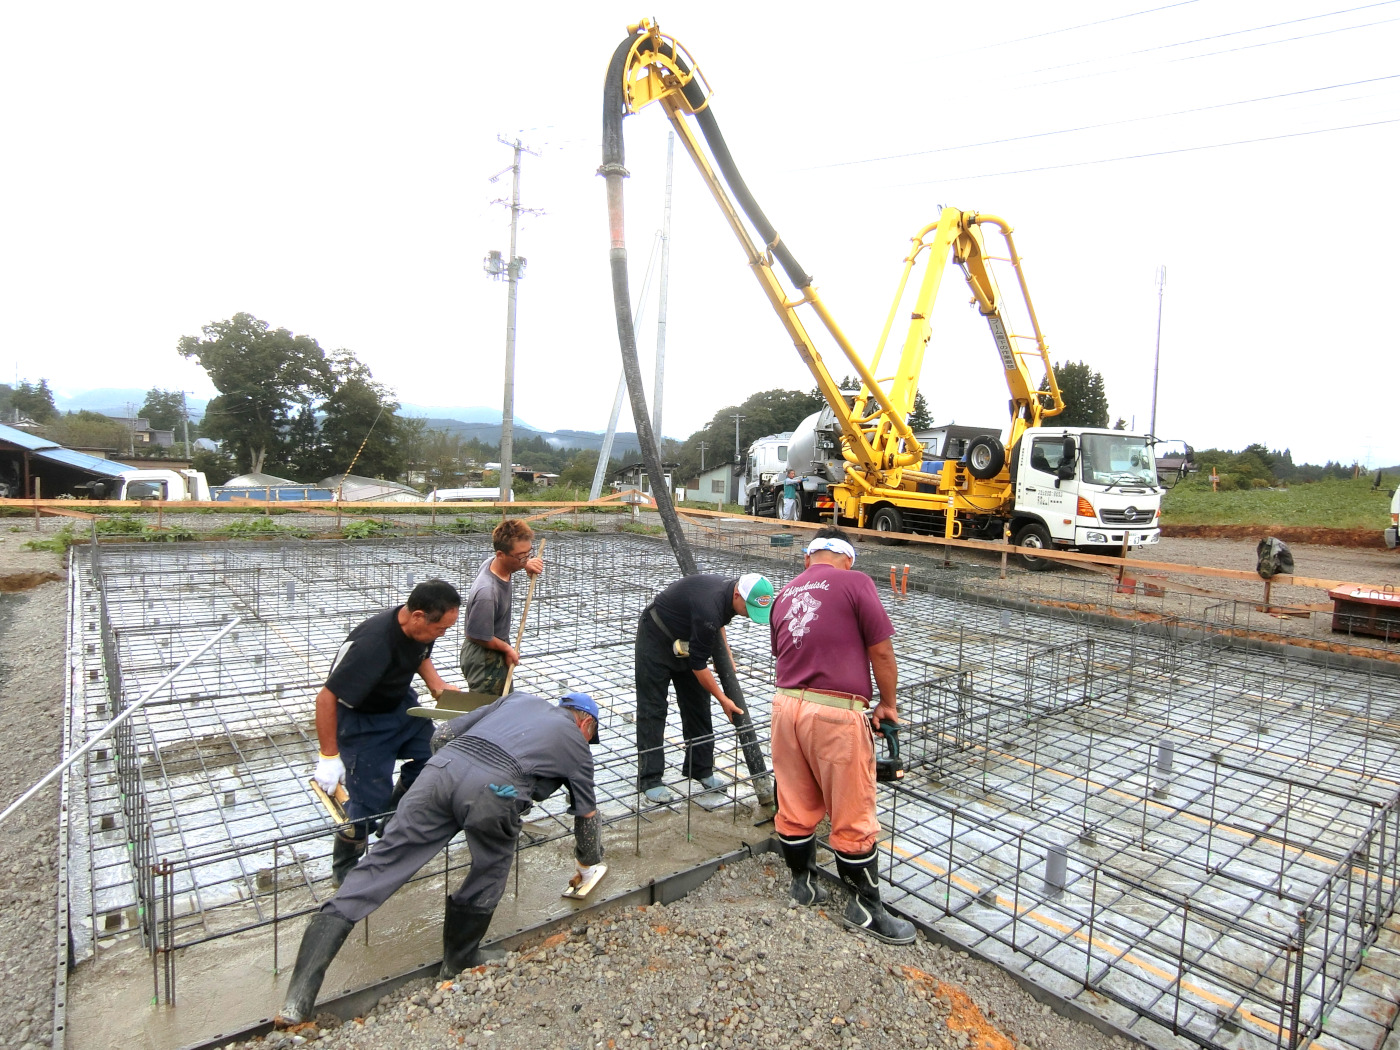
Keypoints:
(175, 485)
(765, 462)
(1086, 490)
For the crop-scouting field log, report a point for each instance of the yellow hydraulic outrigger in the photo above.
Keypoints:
(882, 453)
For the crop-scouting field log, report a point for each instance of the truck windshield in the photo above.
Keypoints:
(145, 490)
(1111, 459)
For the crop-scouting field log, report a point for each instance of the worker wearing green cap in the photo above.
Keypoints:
(676, 636)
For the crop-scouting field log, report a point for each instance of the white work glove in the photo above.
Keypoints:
(583, 874)
(330, 771)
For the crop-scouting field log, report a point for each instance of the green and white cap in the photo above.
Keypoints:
(757, 593)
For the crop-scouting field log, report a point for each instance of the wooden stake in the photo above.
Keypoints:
(520, 631)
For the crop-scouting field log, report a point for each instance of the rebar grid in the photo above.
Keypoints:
(225, 756)
(1224, 830)
(1226, 820)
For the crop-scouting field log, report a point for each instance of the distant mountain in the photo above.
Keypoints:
(117, 401)
(469, 421)
(624, 442)
(460, 413)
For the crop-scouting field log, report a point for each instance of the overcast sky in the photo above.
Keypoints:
(326, 168)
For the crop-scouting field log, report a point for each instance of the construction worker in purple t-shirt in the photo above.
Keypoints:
(828, 631)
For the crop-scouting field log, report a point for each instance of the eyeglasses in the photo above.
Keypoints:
(525, 555)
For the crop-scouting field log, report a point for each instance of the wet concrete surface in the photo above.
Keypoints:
(228, 984)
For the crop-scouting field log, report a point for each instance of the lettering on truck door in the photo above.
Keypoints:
(1039, 488)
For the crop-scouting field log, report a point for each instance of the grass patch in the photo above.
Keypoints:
(364, 528)
(261, 528)
(1330, 504)
(641, 528)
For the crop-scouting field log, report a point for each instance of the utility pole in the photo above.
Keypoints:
(513, 268)
(736, 437)
(660, 381)
(703, 446)
(1157, 354)
(185, 419)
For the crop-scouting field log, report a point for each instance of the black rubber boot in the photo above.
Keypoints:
(462, 930)
(344, 856)
(865, 912)
(320, 942)
(800, 854)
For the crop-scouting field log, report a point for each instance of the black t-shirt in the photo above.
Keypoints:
(695, 608)
(373, 671)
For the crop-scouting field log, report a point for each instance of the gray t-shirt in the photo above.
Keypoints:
(488, 606)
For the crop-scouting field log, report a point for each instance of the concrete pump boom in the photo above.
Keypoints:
(876, 439)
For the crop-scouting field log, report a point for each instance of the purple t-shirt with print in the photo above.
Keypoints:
(822, 623)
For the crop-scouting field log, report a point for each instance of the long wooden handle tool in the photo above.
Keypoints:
(520, 631)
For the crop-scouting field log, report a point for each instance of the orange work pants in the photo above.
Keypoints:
(824, 763)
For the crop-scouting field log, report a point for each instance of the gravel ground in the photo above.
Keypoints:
(729, 966)
(31, 705)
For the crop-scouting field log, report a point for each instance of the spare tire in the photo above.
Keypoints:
(985, 457)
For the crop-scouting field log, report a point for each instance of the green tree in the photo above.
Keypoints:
(217, 466)
(580, 469)
(88, 430)
(263, 376)
(165, 410)
(767, 412)
(1086, 402)
(444, 460)
(921, 418)
(359, 410)
(34, 400)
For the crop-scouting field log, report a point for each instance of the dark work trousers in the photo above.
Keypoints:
(452, 794)
(369, 746)
(657, 668)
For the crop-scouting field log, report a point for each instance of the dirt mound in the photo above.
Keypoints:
(23, 581)
(1287, 533)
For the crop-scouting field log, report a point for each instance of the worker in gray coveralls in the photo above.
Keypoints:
(488, 767)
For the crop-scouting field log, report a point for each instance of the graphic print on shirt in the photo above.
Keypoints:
(802, 612)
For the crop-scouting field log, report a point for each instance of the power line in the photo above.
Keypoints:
(1094, 127)
(1157, 153)
(1288, 40)
(1082, 25)
(1222, 36)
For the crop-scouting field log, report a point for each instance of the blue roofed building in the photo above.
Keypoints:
(31, 465)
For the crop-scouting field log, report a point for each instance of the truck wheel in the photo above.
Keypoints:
(1033, 534)
(985, 457)
(888, 519)
(752, 509)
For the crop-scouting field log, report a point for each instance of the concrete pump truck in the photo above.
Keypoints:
(1039, 486)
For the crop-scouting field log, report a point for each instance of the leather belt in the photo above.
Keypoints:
(828, 698)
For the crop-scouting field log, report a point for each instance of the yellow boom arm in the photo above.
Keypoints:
(876, 438)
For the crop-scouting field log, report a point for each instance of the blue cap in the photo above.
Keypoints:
(582, 702)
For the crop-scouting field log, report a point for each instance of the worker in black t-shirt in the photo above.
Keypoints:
(362, 720)
(676, 635)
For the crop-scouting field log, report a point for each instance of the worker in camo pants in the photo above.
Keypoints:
(488, 767)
